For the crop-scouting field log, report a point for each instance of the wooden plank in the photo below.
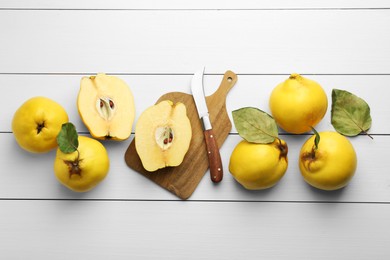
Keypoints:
(250, 90)
(343, 44)
(200, 4)
(192, 230)
(244, 41)
(34, 178)
(31, 176)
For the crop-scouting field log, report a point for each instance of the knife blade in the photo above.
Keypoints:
(214, 157)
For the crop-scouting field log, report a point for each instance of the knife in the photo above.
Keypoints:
(215, 163)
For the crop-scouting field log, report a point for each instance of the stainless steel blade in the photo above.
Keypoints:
(200, 99)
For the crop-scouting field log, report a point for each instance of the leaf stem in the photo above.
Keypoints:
(317, 139)
(366, 133)
(316, 143)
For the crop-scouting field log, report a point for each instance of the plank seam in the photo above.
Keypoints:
(199, 9)
(199, 201)
(181, 74)
(234, 133)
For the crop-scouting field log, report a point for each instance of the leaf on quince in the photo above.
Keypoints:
(67, 138)
(350, 115)
(255, 125)
(316, 139)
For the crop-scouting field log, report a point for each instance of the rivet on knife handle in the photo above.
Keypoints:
(216, 171)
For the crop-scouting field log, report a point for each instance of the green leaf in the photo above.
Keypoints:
(350, 115)
(67, 138)
(316, 139)
(255, 125)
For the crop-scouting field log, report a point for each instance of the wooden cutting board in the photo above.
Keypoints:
(182, 180)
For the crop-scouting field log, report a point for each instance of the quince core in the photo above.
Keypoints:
(106, 106)
(163, 135)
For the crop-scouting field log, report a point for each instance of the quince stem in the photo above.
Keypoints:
(283, 148)
(74, 166)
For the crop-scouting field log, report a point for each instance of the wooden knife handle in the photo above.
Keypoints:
(215, 162)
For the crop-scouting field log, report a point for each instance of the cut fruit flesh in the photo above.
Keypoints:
(163, 135)
(106, 106)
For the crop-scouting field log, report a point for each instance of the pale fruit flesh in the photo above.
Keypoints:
(333, 164)
(163, 135)
(106, 106)
(36, 124)
(258, 166)
(298, 104)
(93, 164)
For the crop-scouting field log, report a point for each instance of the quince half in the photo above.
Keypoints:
(162, 135)
(106, 106)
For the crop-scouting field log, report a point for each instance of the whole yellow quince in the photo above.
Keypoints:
(331, 165)
(298, 104)
(83, 169)
(259, 166)
(36, 124)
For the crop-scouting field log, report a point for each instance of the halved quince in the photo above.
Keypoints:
(163, 135)
(106, 106)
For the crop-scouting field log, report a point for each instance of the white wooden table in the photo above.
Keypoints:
(155, 46)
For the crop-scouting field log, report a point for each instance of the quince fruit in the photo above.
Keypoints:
(298, 104)
(36, 124)
(84, 168)
(258, 166)
(163, 135)
(331, 164)
(106, 106)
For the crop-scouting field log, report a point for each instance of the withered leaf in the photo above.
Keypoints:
(350, 115)
(255, 125)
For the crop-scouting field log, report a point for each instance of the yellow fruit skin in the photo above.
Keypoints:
(32, 113)
(334, 164)
(258, 166)
(298, 104)
(94, 164)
